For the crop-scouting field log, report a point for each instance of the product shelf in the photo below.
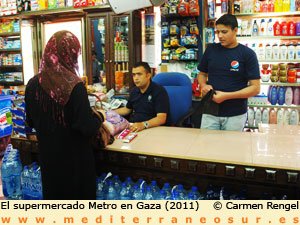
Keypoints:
(12, 83)
(241, 38)
(280, 60)
(275, 106)
(10, 50)
(11, 66)
(281, 84)
(9, 34)
(269, 14)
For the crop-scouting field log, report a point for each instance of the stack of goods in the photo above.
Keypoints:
(8, 7)
(18, 117)
(5, 121)
(112, 188)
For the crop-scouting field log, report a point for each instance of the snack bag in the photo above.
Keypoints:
(115, 123)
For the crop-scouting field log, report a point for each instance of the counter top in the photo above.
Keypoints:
(274, 146)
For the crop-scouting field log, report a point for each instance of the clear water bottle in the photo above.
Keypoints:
(6, 181)
(138, 194)
(117, 183)
(191, 196)
(25, 183)
(167, 189)
(100, 194)
(125, 193)
(111, 191)
(16, 176)
(195, 193)
(210, 193)
(149, 193)
(155, 189)
(176, 196)
(36, 181)
(142, 184)
(182, 192)
(162, 195)
(129, 182)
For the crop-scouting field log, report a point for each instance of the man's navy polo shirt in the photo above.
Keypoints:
(147, 105)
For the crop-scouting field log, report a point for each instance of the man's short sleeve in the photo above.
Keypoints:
(252, 66)
(162, 101)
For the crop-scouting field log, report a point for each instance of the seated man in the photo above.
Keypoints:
(148, 102)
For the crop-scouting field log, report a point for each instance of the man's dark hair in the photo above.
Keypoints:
(228, 20)
(143, 64)
(94, 53)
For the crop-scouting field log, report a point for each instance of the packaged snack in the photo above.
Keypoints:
(129, 137)
(183, 8)
(115, 123)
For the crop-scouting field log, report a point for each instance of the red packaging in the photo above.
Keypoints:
(129, 137)
(291, 28)
(183, 8)
(284, 28)
(277, 29)
(194, 8)
(123, 134)
(76, 3)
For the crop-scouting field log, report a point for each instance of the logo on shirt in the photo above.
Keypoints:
(234, 66)
(149, 98)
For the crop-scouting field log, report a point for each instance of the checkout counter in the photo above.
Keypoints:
(267, 161)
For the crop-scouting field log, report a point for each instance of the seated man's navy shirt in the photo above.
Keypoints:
(147, 105)
(229, 70)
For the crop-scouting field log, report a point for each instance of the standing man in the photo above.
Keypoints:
(148, 102)
(95, 68)
(229, 66)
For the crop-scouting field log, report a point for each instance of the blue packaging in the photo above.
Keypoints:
(18, 114)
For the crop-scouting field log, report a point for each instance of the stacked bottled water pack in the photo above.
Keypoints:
(18, 184)
(31, 182)
(112, 188)
(11, 169)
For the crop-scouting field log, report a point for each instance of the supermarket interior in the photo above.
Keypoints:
(181, 41)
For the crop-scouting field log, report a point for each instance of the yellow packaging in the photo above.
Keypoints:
(43, 4)
(85, 81)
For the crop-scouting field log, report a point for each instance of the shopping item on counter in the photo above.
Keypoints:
(115, 122)
(129, 138)
(123, 134)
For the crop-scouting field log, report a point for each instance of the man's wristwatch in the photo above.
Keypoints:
(146, 124)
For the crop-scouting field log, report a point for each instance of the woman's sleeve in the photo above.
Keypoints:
(83, 119)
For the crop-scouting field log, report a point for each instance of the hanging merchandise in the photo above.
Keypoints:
(184, 30)
(183, 8)
(194, 8)
(211, 9)
(165, 29)
(210, 35)
(173, 9)
(174, 42)
(224, 6)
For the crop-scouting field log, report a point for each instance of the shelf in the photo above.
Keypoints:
(10, 50)
(267, 37)
(279, 60)
(13, 83)
(251, 127)
(12, 66)
(62, 10)
(9, 34)
(270, 14)
(280, 84)
(275, 106)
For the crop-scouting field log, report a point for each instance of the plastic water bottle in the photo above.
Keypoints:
(138, 194)
(111, 191)
(155, 189)
(149, 193)
(195, 192)
(125, 194)
(100, 189)
(129, 183)
(25, 183)
(16, 176)
(210, 193)
(36, 184)
(191, 196)
(182, 192)
(6, 182)
(117, 183)
(176, 196)
(167, 189)
(162, 195)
